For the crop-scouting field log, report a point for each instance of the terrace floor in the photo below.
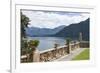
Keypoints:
(70, 56)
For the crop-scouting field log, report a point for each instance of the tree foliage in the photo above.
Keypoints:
(68, 40)
(24, 24)
(29, 46)
(34, 43)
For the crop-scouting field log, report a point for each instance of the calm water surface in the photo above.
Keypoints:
(48, 42)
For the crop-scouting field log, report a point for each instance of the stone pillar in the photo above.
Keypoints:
(69, 48)
(80, 36)
(56, 50)
(36, 56)
(78, 45)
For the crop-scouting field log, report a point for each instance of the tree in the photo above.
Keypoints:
(24, 24)
(27, 47)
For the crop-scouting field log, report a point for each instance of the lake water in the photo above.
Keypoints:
(48, 42)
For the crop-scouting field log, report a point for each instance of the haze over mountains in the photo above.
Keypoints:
(71, 31)
(34, 31)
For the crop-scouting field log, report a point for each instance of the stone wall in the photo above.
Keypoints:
(84, 44)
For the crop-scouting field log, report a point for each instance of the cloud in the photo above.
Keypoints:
(46, 19)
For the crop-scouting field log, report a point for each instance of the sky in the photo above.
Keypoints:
(51, 19)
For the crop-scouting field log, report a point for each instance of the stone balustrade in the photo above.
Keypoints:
(55, 53)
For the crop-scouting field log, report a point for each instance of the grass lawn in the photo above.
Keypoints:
(83, 55)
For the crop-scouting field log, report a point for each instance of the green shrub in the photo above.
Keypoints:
(28, 46)
(33, 44)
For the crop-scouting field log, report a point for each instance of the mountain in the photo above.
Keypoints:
(35, 31)
(73, 30)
